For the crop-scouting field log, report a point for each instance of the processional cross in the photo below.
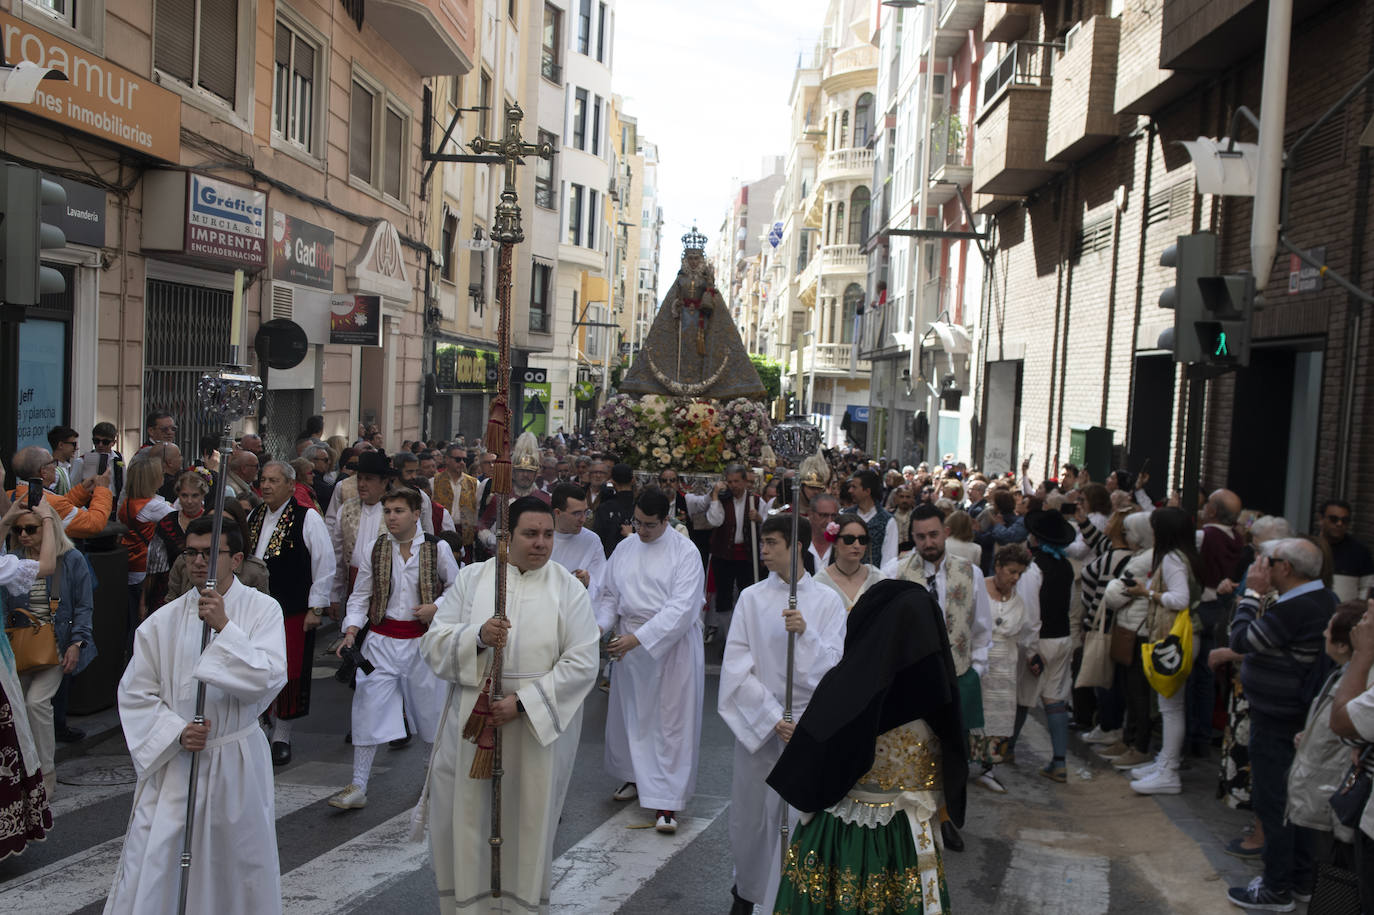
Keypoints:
(509, 233)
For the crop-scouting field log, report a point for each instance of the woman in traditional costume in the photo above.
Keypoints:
(878, 749)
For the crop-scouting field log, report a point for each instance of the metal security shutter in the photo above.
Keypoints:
(219, 31)
(174, 32)
(186, 334)
(281, 416)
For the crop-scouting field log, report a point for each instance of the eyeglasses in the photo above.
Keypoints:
(103, 441)
(353, 466)
(646, 525)
(850, 539)
(74, 442)
(29, 529)
(1338, 519)
(193, 555)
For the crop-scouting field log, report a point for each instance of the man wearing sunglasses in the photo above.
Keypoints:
(87, 466)
(1352, 566)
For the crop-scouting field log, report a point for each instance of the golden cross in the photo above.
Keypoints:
(514, 150)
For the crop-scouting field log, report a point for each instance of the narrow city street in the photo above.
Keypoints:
(1088, 848)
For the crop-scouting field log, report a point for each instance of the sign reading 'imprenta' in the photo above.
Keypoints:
(98, 97)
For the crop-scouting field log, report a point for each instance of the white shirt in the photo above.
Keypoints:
(980, 629)
(822, 559)
(316, 537)
(582, 550)
(889, 539)
(405, 582)
(715, 515)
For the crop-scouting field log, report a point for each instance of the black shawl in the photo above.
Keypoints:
(896, 668)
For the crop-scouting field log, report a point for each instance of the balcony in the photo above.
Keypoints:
(955, 19)
(1006, 22)
(1142, 86)
(1083, 104)
(951, 166)
(846, 164)
(1009, 138)
(841, 259)
(813, 208)
(549, 68)
(431, 35)
(832, 359)
(850, 66)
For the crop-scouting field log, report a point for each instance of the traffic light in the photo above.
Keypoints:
(1223, 332)
(24, 236)
(1193, 257)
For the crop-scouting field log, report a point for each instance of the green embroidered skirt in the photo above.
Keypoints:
(834, 866)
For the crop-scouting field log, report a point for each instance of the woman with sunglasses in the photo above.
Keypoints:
(848, 573)
(63, 601)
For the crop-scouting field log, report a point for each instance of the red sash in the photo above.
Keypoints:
(400, 629)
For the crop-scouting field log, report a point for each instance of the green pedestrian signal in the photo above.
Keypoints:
(1221, 345)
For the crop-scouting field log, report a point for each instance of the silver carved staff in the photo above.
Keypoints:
(793, 440)
(227, 396)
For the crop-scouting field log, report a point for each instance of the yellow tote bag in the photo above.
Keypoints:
(1169, 660)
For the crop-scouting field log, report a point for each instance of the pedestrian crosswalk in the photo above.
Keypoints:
(598, 872)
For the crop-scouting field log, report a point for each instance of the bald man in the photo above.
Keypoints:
(1222, 549)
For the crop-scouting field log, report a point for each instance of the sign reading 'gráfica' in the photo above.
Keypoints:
(204, 220)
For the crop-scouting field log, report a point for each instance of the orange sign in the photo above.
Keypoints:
(99, 98)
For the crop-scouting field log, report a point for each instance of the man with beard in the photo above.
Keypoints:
(957, 586)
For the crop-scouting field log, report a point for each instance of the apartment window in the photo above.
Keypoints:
(863, 120)
(543, 175)
(601, 35)
(196, 42)
(551, 65)
(859, 204)
(595, 316)
(450, 238)
(541, 312)
(575, 214)
(844, 130)
(63, 11)
(596, 127)
(377, 138)
(593, 216)
(584, 27)
(455, 91)
(293, 92)
(580, 119)
(510, 11)
(484, 102)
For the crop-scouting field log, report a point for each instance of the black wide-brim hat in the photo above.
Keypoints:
(375, 463)
(1050, 527)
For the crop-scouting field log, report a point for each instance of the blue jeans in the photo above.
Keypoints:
(1202, 682)
(1287, 848)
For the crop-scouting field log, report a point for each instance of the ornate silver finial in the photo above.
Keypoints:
(794, 438)
(229, 394)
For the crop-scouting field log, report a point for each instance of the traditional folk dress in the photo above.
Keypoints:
(653, 722)
(294, 544)
(958, 587)
(24, 813)
(824, 576)
(234, 848)
(461, 502)
(385, 595)
(753, 694)
(1013, 644)
(354, 529)
(867, 841)
(582, 550)
(549, 664)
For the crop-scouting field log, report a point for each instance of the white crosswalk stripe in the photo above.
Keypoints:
(355, 869)
(84, 878)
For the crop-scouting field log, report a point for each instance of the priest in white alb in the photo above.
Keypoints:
(549, 640)
(651, 598)
(234, 866)
(753, 698)
(574, 547)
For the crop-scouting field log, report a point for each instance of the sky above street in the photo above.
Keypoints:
(708, 81)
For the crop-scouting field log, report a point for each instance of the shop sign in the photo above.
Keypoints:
(355, 320)
(82, 218)
(204, 219)
(458, 368)
(302, 252)
(98, 97)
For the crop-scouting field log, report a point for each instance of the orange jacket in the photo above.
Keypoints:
(84, 510)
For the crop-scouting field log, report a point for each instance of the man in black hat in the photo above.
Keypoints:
(1046, 588)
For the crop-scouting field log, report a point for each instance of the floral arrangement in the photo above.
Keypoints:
(653, 432)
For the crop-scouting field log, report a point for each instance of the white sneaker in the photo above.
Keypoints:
(989, 781)
(354, 797)
(1139, 772)
(626, 792)
(1099, 736)
(1161, 781)
(666, 822)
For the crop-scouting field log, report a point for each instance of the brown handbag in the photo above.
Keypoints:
(1123, 645)
(34, 643)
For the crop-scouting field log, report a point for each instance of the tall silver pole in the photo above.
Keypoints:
(792, 440)
(228, 395)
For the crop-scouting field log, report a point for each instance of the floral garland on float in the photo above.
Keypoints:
(693, 437)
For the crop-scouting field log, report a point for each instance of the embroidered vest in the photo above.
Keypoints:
(460, 502)
(381, 575)
(723, 543)
(958, 602)
(349, 517)
(287, 558)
